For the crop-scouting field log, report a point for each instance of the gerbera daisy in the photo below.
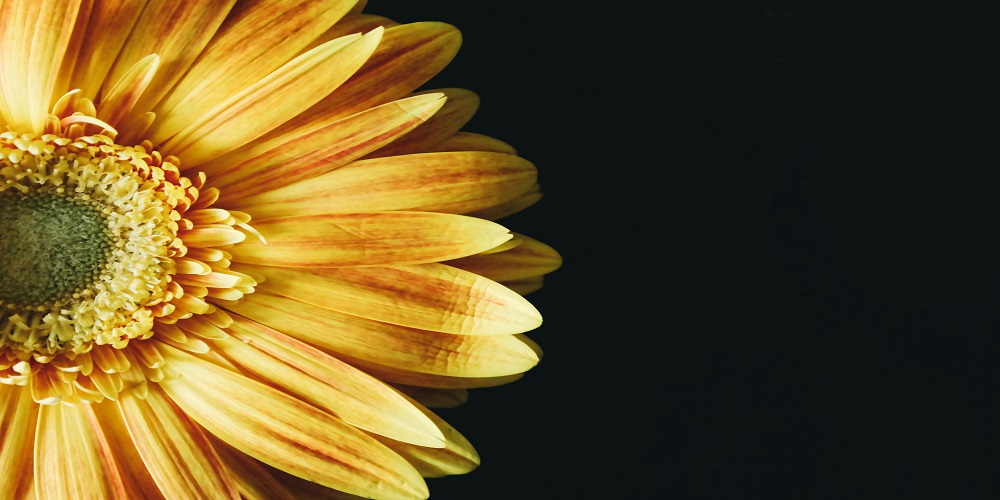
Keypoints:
(241, 254)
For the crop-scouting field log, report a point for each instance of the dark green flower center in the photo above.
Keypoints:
(51, 246)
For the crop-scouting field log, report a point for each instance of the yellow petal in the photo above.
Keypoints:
(175, 450)
(286, 433)
(250, 476)
(16, 436)
(408, 56)
(430, 297)
(457, 456)
(461, 106)
(72, 455)
(258, 38)
(278, 160)
(176, 32)
(530, 258)
(135, 477)
(353, 338)
(126, 92)
(431, 380)
(326, 382)
(36, 35)
(368, 239)
(267, 103)
(457, 182)
(511, 207)
(99, 35)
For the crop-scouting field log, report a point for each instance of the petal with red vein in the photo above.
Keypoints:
(72, 455)
(430, 297)
(36, 35)
(326, 382)
(16, 438)
(286, 433)
(457, 182)
(257, 38)
(221, 127)
(368, 239)
(461, 106)
(395, 346)
(174, 449)
(281, 159)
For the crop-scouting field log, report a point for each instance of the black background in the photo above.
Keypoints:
(779, 228)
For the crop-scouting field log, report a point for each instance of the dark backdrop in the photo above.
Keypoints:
(779, 231)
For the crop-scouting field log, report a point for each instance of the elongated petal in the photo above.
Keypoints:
(16, 437)
(250, 476)
(256, 39)
(99, 35)
(496, 212)
(368, 239)
(461, 106)
(135, 478)
(457, 456)
(175, 450)
(252, 112)
(530, 258)
(408, 56)
(390, 345)
(435, 182)
(279, 160)
(468, 141)
(326, 382)
(126, 92)
(435, 398)
(431, 380)
(176, 32)
(36, 35)
(286, 433)
(72, 455)
(430, 297)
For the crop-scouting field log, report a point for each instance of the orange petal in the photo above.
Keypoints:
(16, 436)
(250, 476)
(326, 382)
(258, 37)
(368, 239)
(176, 32)
(395, 346)
(176, 452)
(279, 160)
(72, 455)
(430, 297)
(220, 127)
(529, 259)
(286, 433)
(461, 106)
(408, 56)
(468, 141)
(126, 92)
(36, 35)
(433, 182)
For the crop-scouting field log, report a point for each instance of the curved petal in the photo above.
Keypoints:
(461, 106)
(36, 35)
(176, 32)
(175, 450)
(457, 456)
(250, 476)
(278, 160)
(326, 382)
(367, 239)
(529, 259)
(456, 182)
(221, 127)
(286, 433)
(16, 437)
(408, 56)
(72, 455)
(257, 38)
(353, 338)
(431, 297)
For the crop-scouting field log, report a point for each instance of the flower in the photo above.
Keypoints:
(243, 253)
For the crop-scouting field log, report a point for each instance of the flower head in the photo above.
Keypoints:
(242, 252)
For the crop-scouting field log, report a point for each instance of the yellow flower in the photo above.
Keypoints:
(241, 254)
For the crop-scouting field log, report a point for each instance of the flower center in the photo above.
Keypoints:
(51, 246)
